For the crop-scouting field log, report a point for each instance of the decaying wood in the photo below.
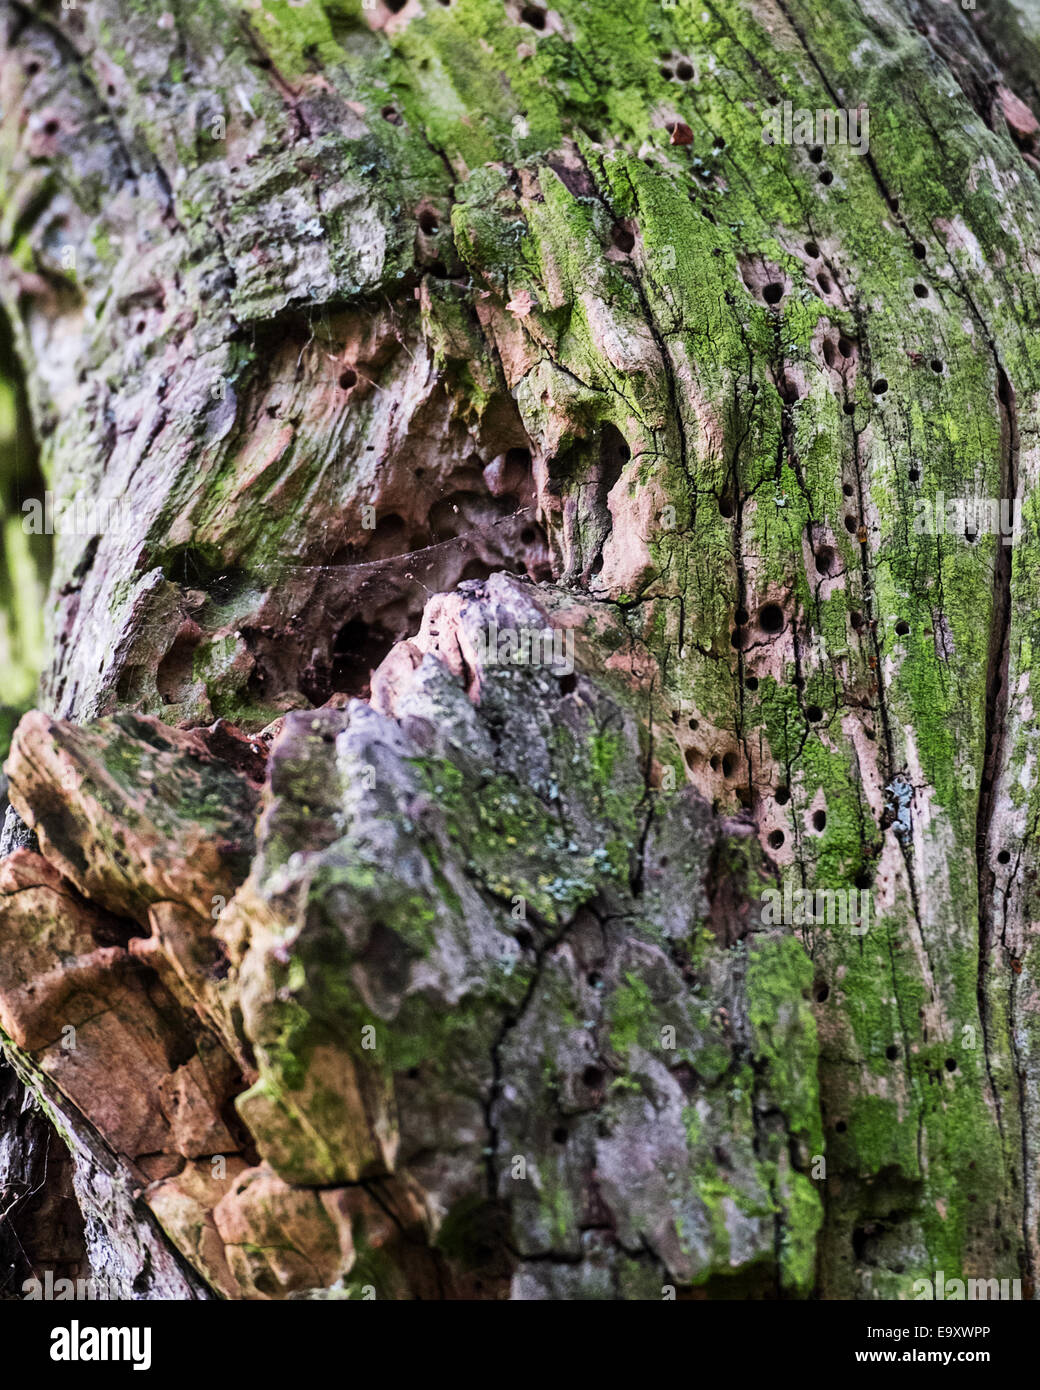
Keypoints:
(370, 333)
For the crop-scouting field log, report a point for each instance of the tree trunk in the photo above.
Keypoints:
(531, 791)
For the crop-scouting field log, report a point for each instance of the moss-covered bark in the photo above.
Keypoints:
(342, 308)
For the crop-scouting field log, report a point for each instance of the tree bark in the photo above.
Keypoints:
(350, 955)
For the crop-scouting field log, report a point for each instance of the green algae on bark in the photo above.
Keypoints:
(453, 273)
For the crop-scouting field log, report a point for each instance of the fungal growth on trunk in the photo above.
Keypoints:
(517, 601)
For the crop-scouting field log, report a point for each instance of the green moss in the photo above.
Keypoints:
(630, 1010)
(803, 1218)
(779, 976)
(671, 343)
